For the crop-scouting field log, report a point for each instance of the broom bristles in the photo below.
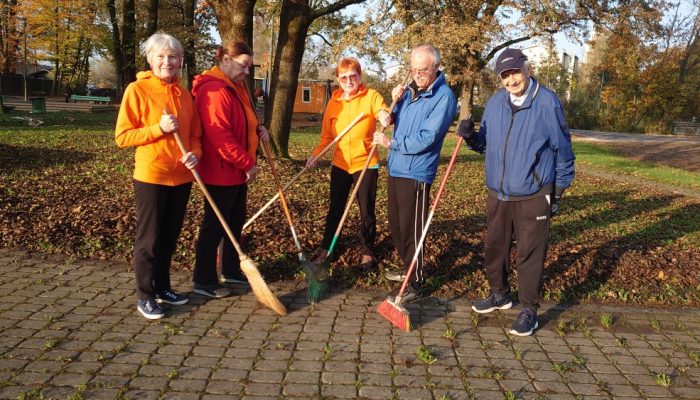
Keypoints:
(316, 282)
(260, 289)
(396, 314)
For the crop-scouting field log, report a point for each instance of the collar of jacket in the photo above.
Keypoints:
(147, 76)
(338, 93)
(505, 96)
(216, 72)
(415, 93)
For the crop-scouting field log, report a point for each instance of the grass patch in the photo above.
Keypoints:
(613, 161)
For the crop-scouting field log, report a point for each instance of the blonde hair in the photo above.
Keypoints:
(158, 42)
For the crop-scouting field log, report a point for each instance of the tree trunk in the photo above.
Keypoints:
(190, 60)
(294, 26)
(129, 41)
(237, 17)
(151, 22)
(11, 41)
(466, 100)
(116, 46)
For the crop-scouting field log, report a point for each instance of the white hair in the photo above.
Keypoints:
(430, 49)
(158, 42)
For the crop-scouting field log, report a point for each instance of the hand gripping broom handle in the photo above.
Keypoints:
(414, 261)
(295, 177)
(207, 195)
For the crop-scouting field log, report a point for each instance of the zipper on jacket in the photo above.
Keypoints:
(505, 150)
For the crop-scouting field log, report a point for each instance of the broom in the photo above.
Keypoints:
(295, 177)
(393, 311)
(257, 283)
(318, 279)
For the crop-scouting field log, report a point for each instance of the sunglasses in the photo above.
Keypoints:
(347, 78)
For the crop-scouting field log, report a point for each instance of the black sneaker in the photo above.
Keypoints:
(170, 297)
(214, 291)
(492, 303)
(239, 280)
(150, 309)
(410, 294)
(525, 323)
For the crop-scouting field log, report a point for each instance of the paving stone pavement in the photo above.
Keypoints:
(70, 330)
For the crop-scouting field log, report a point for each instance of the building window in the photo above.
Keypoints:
(305, 94)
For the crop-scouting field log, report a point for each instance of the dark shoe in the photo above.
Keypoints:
(150, 309)
(410, 294)
(239, 280)
(367, 262)
(525, 323)
(213, 291)
(170, 297)
(395, 276)
(492, 303)
(321, 256)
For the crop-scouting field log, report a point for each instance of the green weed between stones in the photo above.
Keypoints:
(425, 355)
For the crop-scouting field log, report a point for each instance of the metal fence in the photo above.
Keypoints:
(686, 128)
(13, 85)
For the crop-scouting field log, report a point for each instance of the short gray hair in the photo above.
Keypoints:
(158, 42)
(432, 50)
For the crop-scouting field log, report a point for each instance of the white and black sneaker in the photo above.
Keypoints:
(525, 323)
(214, 291)
(170, 297)
(492, 303)
(150, 309)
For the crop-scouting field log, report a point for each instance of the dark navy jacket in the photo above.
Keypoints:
(421, 124)
(528, 152)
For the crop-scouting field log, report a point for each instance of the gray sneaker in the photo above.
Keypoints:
(215, 291)
(395, 276)
(236, 280)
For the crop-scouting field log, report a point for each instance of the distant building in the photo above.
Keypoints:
(311, 97)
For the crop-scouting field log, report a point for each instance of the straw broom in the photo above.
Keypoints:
(393, 311)
(257, 283)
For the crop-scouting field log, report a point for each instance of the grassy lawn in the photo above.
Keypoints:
(588, 154)
(66, 188)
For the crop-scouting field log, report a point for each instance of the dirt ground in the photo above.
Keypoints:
(678, 155)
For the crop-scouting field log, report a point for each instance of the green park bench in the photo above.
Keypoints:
(95, 99)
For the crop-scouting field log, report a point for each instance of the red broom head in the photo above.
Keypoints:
(396, 314)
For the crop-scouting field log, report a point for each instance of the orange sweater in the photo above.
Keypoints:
(350, 153)
(157, 153)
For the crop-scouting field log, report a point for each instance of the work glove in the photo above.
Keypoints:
(554, 207)
(465, 129)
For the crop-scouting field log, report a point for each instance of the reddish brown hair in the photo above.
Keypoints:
(233, 49)
(348, 63)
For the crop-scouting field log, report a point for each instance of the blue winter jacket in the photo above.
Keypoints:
(528, 152)
(420, 125)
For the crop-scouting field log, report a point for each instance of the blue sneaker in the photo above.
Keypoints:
(492, 303)
(170, 297)
(525, 323)
(150, 309)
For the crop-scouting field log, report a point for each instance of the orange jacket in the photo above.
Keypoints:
(350, 153)
(157, 153)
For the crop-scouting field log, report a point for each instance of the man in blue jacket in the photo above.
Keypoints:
(422, 115)
(529, 164)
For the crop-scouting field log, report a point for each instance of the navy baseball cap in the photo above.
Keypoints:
(510, 59)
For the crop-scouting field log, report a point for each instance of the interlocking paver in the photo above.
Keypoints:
(54, 339)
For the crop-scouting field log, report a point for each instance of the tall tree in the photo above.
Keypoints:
(9, 36)
(295, 18)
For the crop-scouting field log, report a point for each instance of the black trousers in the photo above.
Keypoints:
(160, 211)
(341, 183)
(231, 201)
(529, 219)
(408, 210)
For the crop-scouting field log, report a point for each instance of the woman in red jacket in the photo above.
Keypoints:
(229, 141)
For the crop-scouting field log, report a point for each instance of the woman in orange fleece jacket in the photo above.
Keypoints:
(153, 107)
(229, 142)
(350, 154)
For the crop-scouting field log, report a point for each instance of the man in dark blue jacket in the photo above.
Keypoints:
(529, 164)
(422, 116)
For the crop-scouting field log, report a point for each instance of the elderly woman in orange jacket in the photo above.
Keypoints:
(230, 138)
(153, 108)
(350, 154)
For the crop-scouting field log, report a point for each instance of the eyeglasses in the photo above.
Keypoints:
(422, 71)
(346, 78)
